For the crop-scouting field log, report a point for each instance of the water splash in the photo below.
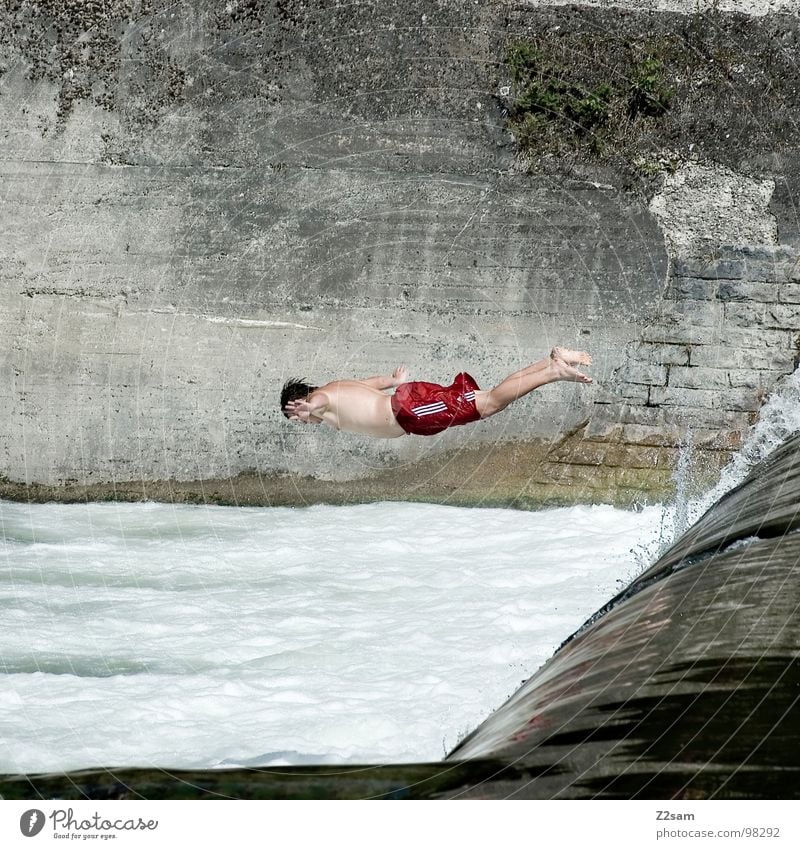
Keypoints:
(778, 419)
(678, 514)
(682, 476)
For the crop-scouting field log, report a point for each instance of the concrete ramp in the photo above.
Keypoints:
(687, 684)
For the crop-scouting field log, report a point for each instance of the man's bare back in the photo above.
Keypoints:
(361, 406)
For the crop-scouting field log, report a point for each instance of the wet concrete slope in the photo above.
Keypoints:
(687, 684)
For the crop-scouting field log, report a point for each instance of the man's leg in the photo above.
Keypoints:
(560, 365)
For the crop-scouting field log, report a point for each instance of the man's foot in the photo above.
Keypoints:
(562, 370)
(571, 358)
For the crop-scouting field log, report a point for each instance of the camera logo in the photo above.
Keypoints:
(31, 822)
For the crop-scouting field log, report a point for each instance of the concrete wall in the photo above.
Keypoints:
(200, 200)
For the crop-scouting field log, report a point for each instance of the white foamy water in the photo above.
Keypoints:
(186, 636)
(778, 419)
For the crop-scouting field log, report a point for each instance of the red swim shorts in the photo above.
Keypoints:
(427, 408)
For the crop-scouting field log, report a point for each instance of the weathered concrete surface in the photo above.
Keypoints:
(685, 686)
(169, 345)
(198, 200)
(248, 215)
(342, 782)
(686, 7)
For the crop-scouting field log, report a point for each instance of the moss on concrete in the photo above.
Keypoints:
(637, 92)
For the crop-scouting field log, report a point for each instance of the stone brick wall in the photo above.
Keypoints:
(700, 371)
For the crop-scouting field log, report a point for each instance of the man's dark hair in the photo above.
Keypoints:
(293, 389)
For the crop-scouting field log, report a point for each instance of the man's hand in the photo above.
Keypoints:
(308, 410)
(400, 375)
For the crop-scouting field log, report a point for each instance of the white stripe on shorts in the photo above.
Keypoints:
(430, 409)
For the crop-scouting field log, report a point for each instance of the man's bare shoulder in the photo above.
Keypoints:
(347, 383)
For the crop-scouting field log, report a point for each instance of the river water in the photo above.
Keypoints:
(185, 636)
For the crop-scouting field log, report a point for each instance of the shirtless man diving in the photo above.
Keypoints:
(361, 406)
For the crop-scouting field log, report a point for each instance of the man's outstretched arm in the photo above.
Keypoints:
(398, 376)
